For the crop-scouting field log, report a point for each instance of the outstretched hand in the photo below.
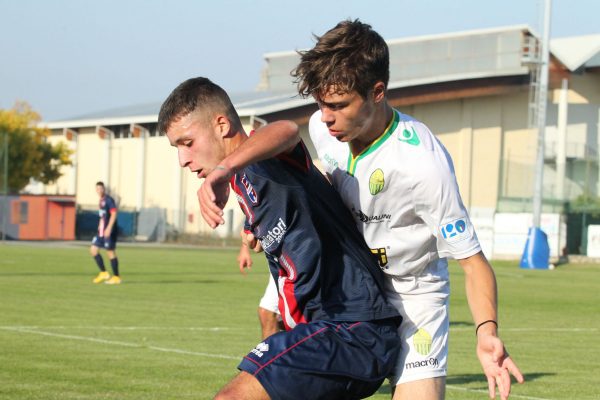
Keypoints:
(497, 365)
(213, 195)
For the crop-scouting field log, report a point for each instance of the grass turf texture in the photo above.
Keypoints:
(182, 319)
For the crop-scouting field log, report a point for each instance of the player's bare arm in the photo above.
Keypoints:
(480, 285)
(268, 141)
(111, 223)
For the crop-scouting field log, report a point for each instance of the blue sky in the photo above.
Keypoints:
(72, 57)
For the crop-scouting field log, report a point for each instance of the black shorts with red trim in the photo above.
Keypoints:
(326, 360)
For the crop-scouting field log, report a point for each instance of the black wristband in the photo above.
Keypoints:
(485, 322)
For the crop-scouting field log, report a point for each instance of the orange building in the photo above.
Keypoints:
(39, 217)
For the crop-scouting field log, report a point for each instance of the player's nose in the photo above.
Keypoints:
(327, 116)
(184, 159)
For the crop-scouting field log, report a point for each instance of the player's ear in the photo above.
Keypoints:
(223, 126)
(378, 92)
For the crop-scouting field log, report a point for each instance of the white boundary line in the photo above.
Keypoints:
(532, 329)
(119, 328)
(179, 351)
(117, 343)
(512, 395)
(221, 329)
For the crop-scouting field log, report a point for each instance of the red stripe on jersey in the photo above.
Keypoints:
(240, 198)
(290, 305)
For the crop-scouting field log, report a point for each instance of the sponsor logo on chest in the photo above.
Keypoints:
(370, 219)
(274, 235)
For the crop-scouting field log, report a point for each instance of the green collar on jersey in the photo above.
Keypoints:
(352, 161)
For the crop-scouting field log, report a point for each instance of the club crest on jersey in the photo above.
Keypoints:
(409, 137)
(455, 231)
(376, 181)
(249, 190)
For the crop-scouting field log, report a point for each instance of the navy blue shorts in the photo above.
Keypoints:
(108, 243)
(326, 360)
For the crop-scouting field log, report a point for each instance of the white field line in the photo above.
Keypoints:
(121, 328)
(512, 395)
(117, 343)
(469, 328)
(220, 329)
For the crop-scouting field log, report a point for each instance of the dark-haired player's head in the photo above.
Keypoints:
(347, 73)
(100, 189)
(349, 57)
(201, 122)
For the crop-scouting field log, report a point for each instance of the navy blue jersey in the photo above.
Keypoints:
(322, 266)
(106, 206)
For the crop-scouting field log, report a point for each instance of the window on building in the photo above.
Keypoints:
(20, 212)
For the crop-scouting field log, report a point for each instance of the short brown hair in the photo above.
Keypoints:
(193, 94)
(351, 56)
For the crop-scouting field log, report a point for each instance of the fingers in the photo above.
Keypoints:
(503, 382)
(514, 370)
(492, 387)
(210, 212)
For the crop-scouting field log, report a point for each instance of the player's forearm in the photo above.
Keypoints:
(111, 221)
(266, 142)
(481, 290)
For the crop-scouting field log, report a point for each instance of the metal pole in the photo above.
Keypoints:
(5, 178)
(541, 120)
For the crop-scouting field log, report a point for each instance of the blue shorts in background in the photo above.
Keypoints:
(108, 243)
(326, 360)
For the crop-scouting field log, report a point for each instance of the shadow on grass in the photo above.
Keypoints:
(45, 274)
(480, 378)
(460, 323)
(465, 379)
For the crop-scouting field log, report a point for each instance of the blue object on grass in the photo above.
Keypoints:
(537, 252)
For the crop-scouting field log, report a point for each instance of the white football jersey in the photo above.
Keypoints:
(403, 194)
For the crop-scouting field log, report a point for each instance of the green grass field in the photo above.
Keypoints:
(178, 325)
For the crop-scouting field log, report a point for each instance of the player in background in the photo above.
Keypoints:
(106, 238)
(398, 181)
(341, 332)
(268, 307)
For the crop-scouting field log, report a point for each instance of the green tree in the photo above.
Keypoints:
(30, 155)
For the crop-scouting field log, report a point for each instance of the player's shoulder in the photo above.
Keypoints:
(110, 201)
(316, 127)
(413, 134)
(419, 146)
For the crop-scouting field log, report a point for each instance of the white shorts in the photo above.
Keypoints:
(270, 299)
(423, 304)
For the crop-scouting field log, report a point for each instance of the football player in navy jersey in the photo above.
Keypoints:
(106, 238)
(341, 336)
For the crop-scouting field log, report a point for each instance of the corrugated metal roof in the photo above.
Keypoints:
(413, 61)
(577, 51)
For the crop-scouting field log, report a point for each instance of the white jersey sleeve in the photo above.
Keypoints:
(437, 199)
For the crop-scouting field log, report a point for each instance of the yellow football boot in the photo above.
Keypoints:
(102, 277)
(115, 280)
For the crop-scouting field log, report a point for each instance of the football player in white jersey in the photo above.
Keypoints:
(398, 180)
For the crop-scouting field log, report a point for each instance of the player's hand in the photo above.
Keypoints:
(107, 233)
(497, 365)
(213, 195)
(252, 242)
(244, 259)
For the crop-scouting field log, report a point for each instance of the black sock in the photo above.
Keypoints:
(100, 262)
(114, 263)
